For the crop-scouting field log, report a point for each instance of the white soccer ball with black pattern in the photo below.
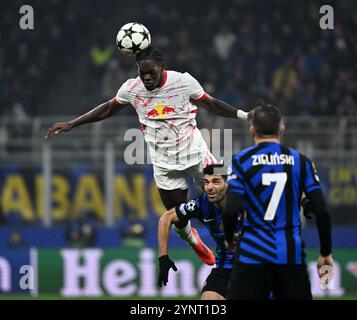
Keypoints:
(132, 38)
(191, 205)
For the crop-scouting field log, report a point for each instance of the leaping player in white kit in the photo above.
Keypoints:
(166, 103)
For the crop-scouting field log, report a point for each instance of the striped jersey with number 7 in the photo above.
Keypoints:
(271, 179)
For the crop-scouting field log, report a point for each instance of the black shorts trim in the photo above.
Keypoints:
(217, 281)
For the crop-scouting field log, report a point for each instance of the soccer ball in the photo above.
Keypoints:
(191, 205)
(132, 38)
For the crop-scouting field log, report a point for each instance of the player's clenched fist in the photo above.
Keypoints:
(58, 128)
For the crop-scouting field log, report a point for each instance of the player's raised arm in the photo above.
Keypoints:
(101, 112)
(165, 263)
(201, 99)
(219, 107)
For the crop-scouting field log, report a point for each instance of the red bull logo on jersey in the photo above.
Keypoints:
(160, 111)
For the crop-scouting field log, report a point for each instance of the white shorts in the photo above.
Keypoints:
(179, 179)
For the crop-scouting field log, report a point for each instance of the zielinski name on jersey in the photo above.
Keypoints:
(272, 159)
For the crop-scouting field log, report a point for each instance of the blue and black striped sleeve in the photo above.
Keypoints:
(312, 181)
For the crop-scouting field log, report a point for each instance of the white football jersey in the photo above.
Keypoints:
(167, 119)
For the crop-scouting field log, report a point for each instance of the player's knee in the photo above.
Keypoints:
(180, 224)
(211, 295)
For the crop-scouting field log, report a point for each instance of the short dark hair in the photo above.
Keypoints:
(150, 53)
(266, 119)
(209, 169)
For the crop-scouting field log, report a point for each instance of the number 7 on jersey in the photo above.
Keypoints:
(280, 178)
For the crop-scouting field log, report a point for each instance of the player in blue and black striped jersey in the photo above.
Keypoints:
(208, 210)
(267, 182)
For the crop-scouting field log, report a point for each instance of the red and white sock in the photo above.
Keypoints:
(186, 234)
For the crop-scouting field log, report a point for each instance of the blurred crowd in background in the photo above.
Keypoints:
(240, 51)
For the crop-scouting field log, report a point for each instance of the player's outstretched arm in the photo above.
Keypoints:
(101, 112)
(165, 263)
(221, 108)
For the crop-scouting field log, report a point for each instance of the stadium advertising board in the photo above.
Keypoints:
(16, 271)
(126, 273)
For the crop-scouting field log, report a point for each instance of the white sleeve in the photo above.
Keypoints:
(195, 90)
(122, 95)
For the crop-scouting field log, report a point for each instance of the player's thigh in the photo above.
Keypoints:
(250, 282)
(216, 284)
(292, 283)
(173, 198)
(172, 186)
